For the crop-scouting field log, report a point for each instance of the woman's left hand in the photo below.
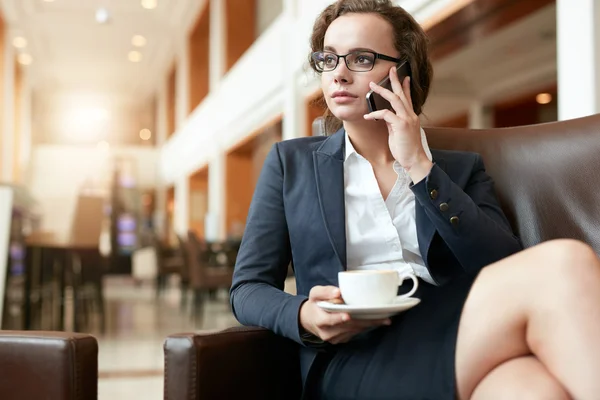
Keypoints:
(403, 125)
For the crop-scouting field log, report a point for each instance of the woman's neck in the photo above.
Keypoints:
(370, 139)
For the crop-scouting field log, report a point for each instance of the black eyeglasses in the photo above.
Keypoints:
(358, 61)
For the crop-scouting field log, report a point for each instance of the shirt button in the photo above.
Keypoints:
(433, 194)
(454, 221)
(444, 207)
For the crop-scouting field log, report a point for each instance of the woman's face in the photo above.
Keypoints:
(345, 90)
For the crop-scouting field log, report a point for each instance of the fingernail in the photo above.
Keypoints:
(371, 84)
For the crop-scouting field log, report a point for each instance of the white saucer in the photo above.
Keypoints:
(372, 312)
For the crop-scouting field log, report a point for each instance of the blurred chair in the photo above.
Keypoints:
(88, 267)
(184, 283)
(206, 274)
(46, 279)
(48, 365)
(544, 177)
(170, 261)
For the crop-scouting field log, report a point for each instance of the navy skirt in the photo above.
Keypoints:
(412, 359)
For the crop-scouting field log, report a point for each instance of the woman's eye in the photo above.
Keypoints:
(363, 60)
(329, 60)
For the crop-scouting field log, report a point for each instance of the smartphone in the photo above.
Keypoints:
(375, 101)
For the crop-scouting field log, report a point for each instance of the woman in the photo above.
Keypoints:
(526, 326)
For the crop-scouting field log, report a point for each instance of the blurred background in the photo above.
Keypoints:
(132, 133)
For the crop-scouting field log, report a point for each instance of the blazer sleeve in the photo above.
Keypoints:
(471, 222)
(257, 296)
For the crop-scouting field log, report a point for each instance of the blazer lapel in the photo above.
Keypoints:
(329, 174)
(425, 228)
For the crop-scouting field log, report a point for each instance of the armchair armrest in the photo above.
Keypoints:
(237, 363)
(48, 365)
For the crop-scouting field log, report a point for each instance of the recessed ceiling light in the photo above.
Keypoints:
(48, 1)
(134, 56)
(543, 98)
(145, 134)
(20, 42)
(102, 16)
(138, 41)
(24, 59)
(149, 4)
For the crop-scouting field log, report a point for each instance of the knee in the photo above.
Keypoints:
(570, 262)
(569, 255)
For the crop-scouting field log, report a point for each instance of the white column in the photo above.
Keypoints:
(8, 117)
(161, 114)
(215, 219)
(480, 116)
(181, 212)
(25, 146)
(6, 208)
(294, 107)
(217, 43)
(578, 57)
(182, 84)
(161, 128)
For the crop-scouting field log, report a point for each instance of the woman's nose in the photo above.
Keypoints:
(342, 73)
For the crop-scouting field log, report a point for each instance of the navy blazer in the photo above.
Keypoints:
(297, 215)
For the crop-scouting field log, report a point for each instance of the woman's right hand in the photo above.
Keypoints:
(334, 328)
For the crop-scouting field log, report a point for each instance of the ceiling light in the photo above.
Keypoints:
(145, 134)
(134, 56)
(24, 59)
(93, 114)
(149, 4)
(102, 16)
(138, 41)
(20, 42)
(543, 98)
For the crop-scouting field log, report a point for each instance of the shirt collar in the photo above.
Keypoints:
(349, 149)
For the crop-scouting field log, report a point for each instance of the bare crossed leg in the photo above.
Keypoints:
(530, 328)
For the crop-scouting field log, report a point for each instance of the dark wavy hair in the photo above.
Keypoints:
(409, 39)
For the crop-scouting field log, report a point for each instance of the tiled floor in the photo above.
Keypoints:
(130, 352)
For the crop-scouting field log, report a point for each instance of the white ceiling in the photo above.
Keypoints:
(72, 51)
(516, 60)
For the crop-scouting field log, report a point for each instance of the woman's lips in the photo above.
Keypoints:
(343, 97)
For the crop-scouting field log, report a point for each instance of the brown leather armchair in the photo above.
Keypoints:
(546, 177)
(237, 363)
(48, 365)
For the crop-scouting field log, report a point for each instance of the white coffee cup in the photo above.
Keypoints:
(373, 287)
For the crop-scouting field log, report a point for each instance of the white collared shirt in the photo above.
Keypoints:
(380, 234)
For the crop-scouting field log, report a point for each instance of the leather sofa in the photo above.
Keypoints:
(546, 177)
(48, 365)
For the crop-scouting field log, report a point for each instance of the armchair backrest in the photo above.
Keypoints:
(546, 175)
